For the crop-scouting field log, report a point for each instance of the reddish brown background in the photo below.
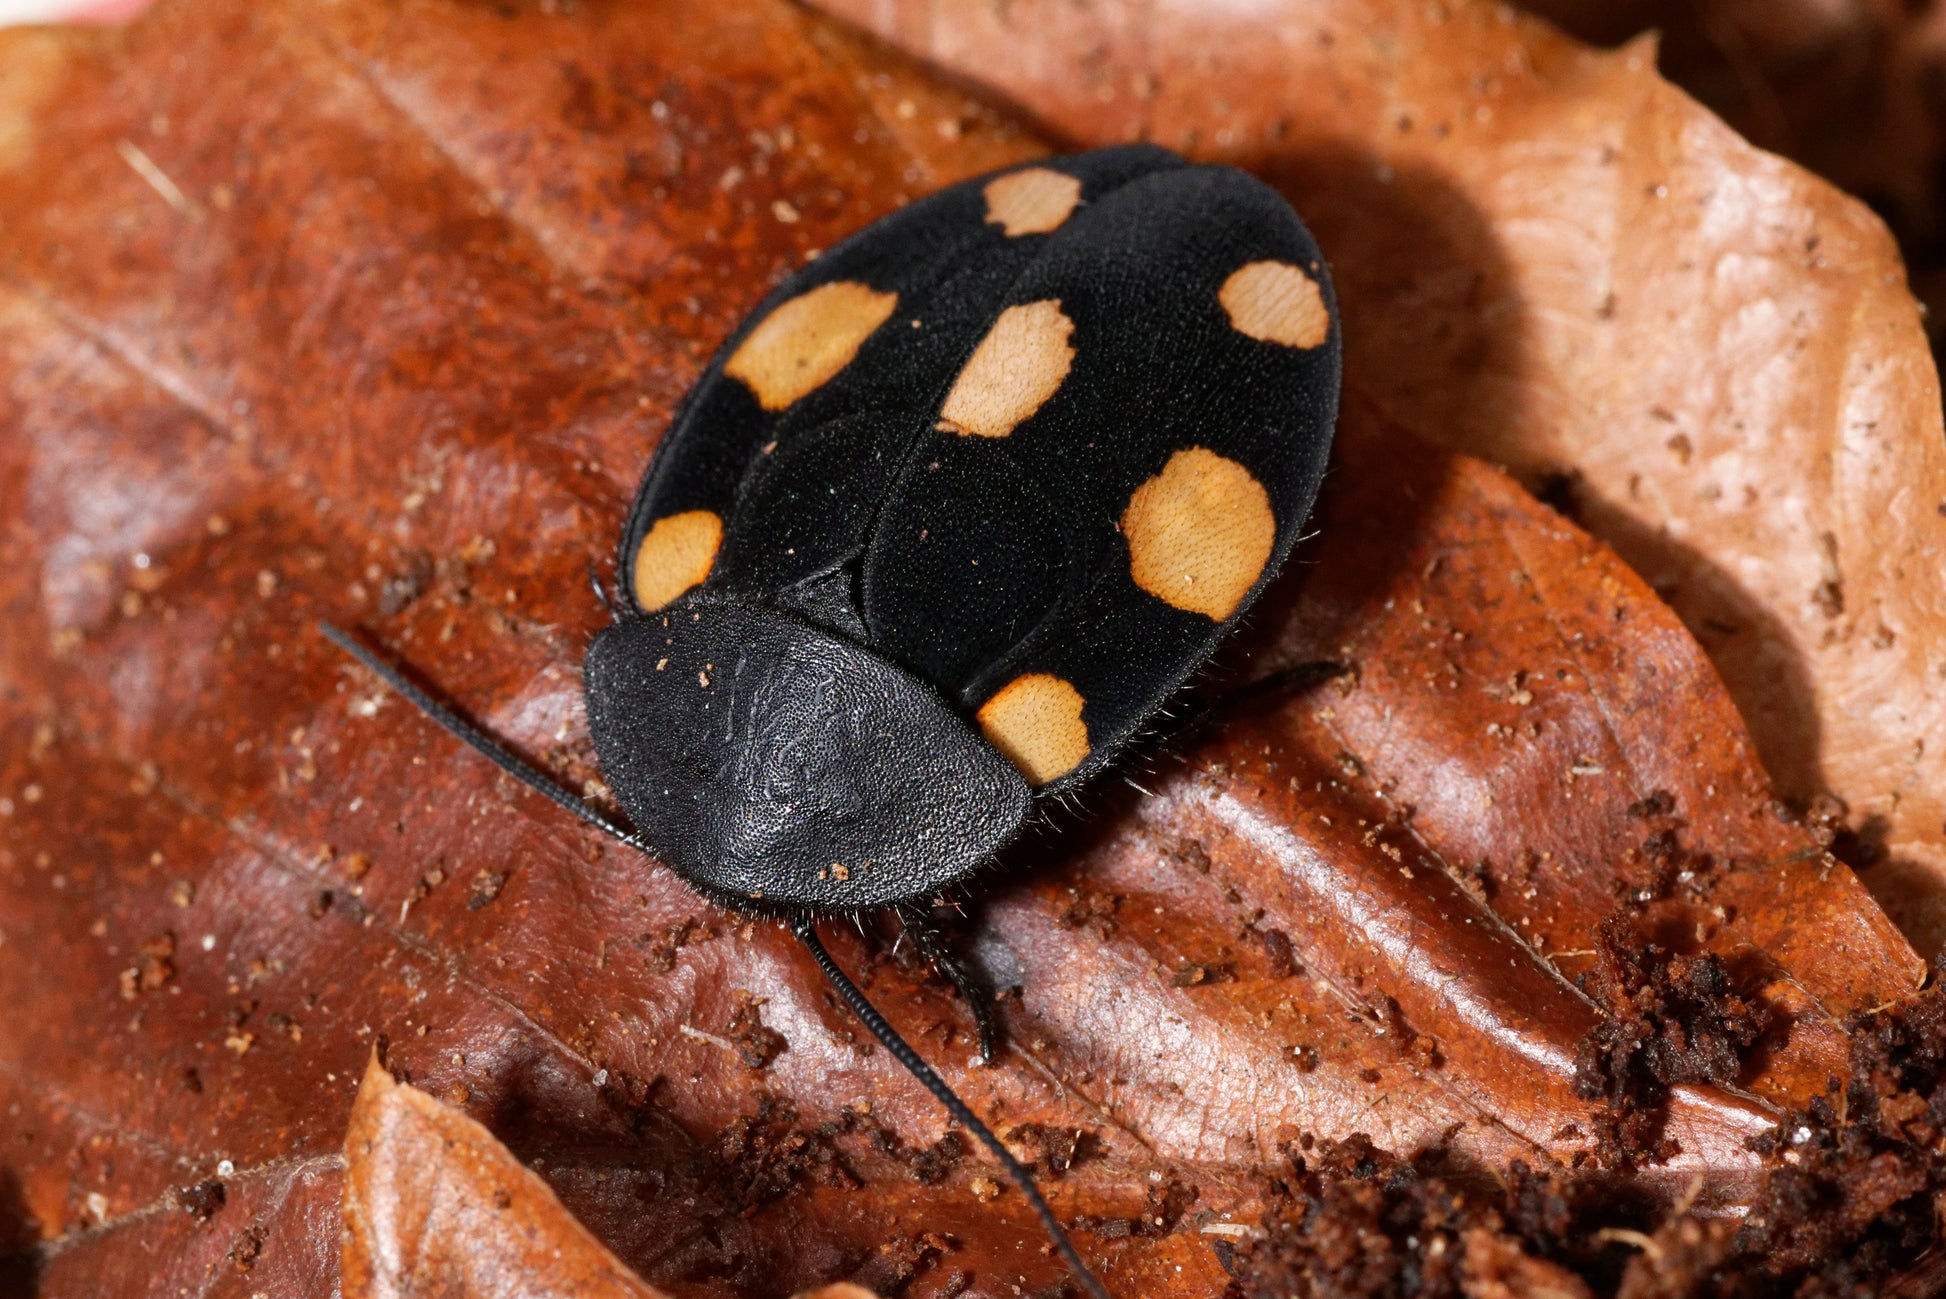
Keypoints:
(390, 345)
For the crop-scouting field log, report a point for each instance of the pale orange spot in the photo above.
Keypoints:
(1031, 202)
(1015, 369)
(1035, 720)
(1276, 302)
(1199, 533)
(675, 556)
(797, 348)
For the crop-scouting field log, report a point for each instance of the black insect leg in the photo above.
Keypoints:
(609, 600)
(807, 934)
(933, 946)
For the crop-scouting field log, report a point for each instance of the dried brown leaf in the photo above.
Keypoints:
(1550, 257)
(434, 1205)
(1849, 89)
(432, 278)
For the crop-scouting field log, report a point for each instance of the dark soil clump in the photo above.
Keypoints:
(1672, 1019)
(1848, 1206)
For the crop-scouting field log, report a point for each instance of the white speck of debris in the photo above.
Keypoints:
(601, 1078)
(209, 942)
(98, 1205)
(158, 180)
(699, 1035)
(1235, 1230)
(224, 1168)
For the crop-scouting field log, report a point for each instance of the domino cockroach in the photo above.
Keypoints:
(941, 527)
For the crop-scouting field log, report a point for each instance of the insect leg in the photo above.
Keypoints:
(485, 744)
(933, 946)
(807, 933)
(602, 593)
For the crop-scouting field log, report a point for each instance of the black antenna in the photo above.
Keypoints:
(485, 744)
(540, 783)
(807, 933)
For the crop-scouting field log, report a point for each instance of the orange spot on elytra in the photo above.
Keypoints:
(801, 345)
(1032, 201)
(1199, 533)
(1276, 302)
(676, 555)
(1018, 365)
(1035, 720)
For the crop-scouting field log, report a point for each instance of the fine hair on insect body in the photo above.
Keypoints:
(941, 528)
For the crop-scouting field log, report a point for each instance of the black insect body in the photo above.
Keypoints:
(944, 524)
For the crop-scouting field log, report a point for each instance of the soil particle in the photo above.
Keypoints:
(931, 1165)
(155, 969)
(486, 887)
(763, 1155)
(1056, 1150)
(1163, 1207)
(1092, 911)
(1195, 974)
(1672, 1019)
(900, 1260)
(1353, 1220)
(1658, 802)
(248, 1249)
(202, 1200)
(757, 1044)
(403, 587)
(1279, 956)
(662, 949)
